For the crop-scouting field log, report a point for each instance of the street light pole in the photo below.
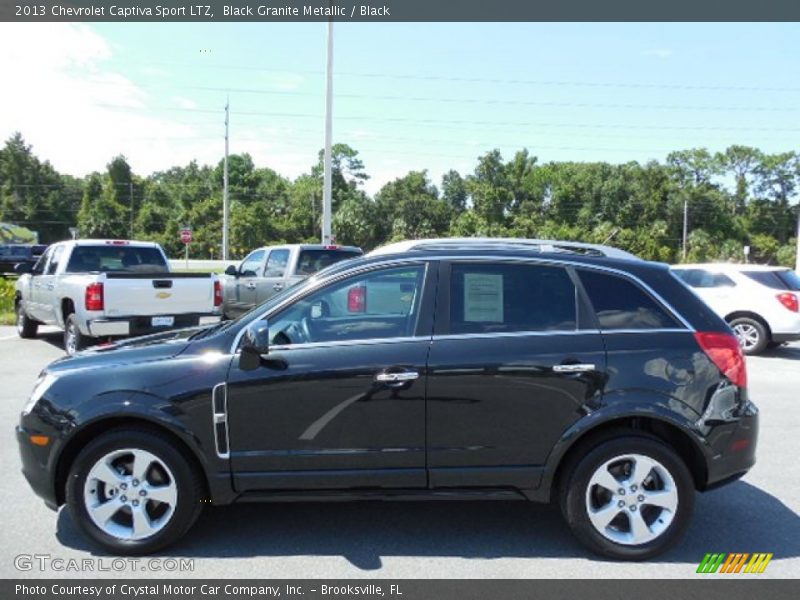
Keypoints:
(225, 200)
(328, 180)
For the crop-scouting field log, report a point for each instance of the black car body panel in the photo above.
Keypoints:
(485, 412)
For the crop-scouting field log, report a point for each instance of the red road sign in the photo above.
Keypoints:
(186, 236)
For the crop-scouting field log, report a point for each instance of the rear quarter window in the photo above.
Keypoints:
(777, 280)
(621, 304)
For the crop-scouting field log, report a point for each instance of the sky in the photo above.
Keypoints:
(407, 96)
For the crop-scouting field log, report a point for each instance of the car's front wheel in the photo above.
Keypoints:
(629, 498)
(133, 491)
(26, 327)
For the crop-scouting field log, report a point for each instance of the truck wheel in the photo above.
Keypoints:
(26, 328)
(134, 491)
(752, 335)
(74, 340)
(630, 498)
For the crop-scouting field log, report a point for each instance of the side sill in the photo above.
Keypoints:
(391, 495)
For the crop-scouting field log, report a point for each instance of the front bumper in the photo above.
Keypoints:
(736, 444)
(36, 467)
(135, 326)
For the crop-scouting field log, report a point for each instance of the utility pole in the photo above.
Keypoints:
(225, 200)
(797, 258)
(685, 226)
(328, 179)
(130, 197)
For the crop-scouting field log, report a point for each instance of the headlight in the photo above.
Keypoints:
(39, 388)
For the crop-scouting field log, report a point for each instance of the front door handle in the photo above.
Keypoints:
(397, 377)
(574, 368)
(277, 287)
(50, 286)
(251, 286)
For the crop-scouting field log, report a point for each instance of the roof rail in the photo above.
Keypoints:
(535, 245)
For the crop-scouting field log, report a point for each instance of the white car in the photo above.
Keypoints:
(96, 289)
(760, 303)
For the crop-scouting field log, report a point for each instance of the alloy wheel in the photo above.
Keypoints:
(130, 494)
(747, 335)
(631, 499)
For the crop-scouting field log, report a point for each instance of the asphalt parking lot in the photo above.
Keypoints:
(424, 540)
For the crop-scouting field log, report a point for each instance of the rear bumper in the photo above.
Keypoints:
(134, 326)
(738, 452)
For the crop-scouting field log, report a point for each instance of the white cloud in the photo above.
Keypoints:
(658, 52)
(182, 102)
(78, 113)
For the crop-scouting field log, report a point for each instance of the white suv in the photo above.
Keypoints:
(761, 304)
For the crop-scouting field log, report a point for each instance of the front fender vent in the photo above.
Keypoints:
(219, 417)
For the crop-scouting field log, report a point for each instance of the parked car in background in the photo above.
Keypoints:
(760, 303)
(14, 254)
(456, 370)
(266, 271)
(108, 288)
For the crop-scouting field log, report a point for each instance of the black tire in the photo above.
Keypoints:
(188, 479)
(758, 330)
(74, 340)
(575, 484)
(26, 327)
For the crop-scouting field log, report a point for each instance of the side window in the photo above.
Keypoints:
(276, 263)
(376, 305)
(700, 278)
(38, 268)
(55, 259)
(621, 304)
(487, 298)
(252, 264)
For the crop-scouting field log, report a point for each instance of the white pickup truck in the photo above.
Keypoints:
(109, 288)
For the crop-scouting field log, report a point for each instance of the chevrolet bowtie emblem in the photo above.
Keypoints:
(163, 295)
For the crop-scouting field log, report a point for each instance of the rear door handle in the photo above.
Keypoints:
(251, 286)
(397, 377)
(277, 287)
(574, 368)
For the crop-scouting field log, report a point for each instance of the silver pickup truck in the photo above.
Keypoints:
(95, 289)
(268, 270)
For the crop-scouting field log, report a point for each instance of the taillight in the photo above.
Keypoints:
(94, 296)
(357, 299)
(789, 301)
(724, 351)
(217, 294)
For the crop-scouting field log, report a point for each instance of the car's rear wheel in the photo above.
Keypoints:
(134, 491)
(26, 327)
(752, 335)
(74, 340)
(630, 498)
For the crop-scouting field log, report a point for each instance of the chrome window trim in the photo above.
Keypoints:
(513, 334)
(360, 342)
(425, 259)
(658, 330)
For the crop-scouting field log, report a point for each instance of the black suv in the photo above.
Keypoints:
(529, 370)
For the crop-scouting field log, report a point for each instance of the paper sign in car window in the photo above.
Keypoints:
(483, 297)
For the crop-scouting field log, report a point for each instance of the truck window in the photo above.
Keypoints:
(276, 263)
(55, 259)
(312, 261)
(124, 259)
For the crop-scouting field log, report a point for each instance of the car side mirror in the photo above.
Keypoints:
(255, 343)
(232, 271)
(22, 268)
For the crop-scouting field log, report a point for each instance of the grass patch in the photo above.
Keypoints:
(7, 301)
